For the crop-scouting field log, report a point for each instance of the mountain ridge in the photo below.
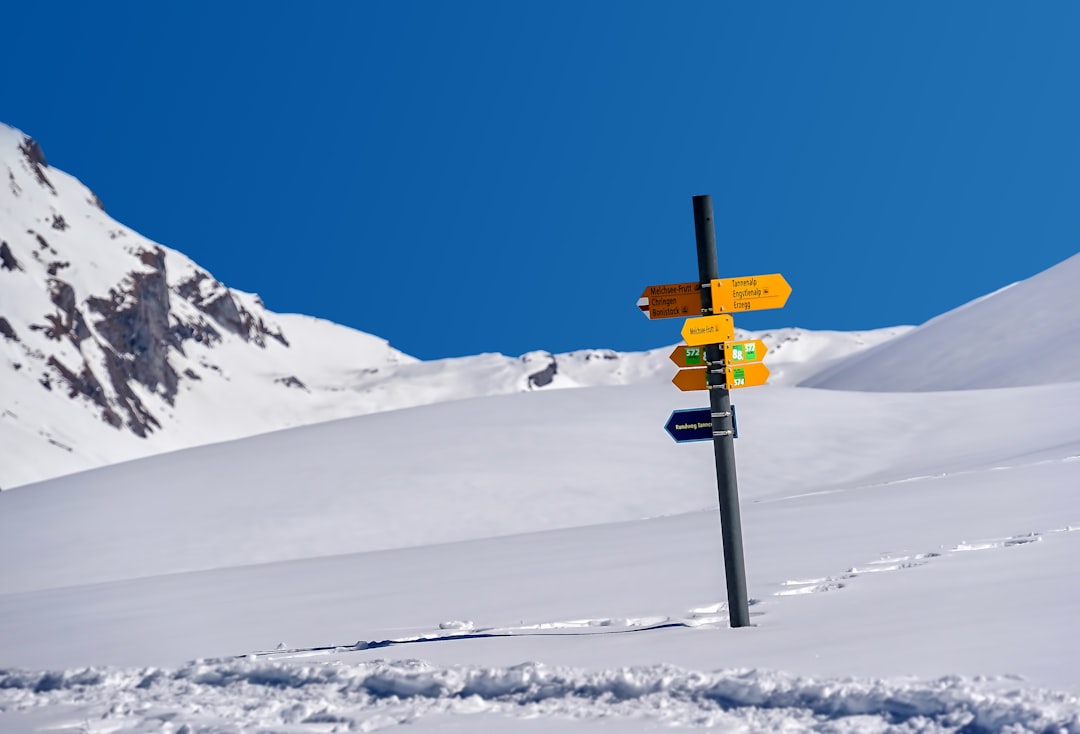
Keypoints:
(113, 346)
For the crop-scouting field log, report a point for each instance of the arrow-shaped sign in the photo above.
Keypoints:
(745, 351)
(692, 379)
(747, 375)
(688, 356)
(708, 330)
(671, 300)
(690, 425)
(750, 293)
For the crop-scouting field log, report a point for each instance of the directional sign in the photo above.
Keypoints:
(690, 425)
(688, 356)
(747, 351)
(750, 293)
(692, 379)
(708, 330)
(671, 301)
(748, 375)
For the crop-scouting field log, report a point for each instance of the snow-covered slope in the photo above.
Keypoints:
(114, 347)
(912, 568)
(1025, 334)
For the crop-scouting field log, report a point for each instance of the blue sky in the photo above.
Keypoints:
(501, 176)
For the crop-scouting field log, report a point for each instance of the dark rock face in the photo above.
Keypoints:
(544, 377)
(216, 301)
(7, 258)
(136, 324)
(7, 330)
(124, 338)
(291, 381)
(35, 160)
(137, 330)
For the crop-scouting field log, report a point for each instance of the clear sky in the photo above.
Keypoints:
(462, 177)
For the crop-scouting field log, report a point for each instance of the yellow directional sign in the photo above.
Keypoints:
(746, 351)
(671, 300)
(750, 293)
(688, 356)
(692, 379)
(747, 375)
(708, 330)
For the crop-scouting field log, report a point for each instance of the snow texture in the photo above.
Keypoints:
(212, 696)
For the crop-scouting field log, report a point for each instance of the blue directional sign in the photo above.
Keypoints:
(694, 424)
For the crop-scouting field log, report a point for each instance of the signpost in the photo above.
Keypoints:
(750, 293)
(695, 378)
(747, 351)
(746, 375)
(671, 301)
(713, 360)
(708, 330)
(687, 356)
(694, 424)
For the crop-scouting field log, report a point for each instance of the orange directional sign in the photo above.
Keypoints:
(750, 293)
(671, 301)
(746, 351)
(692, 379)
(688, 356)
(708, 330)
(747, 375)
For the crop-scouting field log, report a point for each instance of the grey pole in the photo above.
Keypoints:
(723, 427)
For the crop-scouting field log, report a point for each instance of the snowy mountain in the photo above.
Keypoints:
(1027, 333)
(114, 347)
(546, 560)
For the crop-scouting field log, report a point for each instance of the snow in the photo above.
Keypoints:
(1024, 334)
(459, 552)
(900, 547)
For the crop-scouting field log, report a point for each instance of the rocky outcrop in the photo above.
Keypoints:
(35, 160)
(7, 258)
(7, 330)
(545, 376)
(215, 300)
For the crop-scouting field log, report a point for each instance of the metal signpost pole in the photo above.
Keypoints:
(723, 425)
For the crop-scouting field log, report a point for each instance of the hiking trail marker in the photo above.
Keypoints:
(671, 301)
(695, 378)
(688, 356)
(751, 374)
(749, 293)
(715, 361)
(747, 351)
(703, 330)
(694, 424)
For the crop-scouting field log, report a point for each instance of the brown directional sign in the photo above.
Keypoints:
(751, 350)
(708, 330)
(692, 379)
(747, 375)
(671, 301)
(688, 356)
(749, 293)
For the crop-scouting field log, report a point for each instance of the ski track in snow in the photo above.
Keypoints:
(889, 562)
(241, 695)
(708, 615)
(314, 689)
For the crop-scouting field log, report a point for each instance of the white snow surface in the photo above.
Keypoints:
(551, 561)
(1024, 334)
